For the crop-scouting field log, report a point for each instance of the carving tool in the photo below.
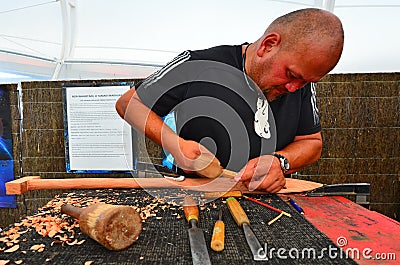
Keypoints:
(207, 165)
(360, 190)
(221, 194)
(116, 227)
(198, 246)
(243, 221)
(218, 236)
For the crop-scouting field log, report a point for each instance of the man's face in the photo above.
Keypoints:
(282, 72)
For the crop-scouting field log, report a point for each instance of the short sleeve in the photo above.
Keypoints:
(309, 122)
(158, 92)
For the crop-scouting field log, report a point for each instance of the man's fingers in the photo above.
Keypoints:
(275, 186)
(268, 184)
(247, 173)
(254, 184)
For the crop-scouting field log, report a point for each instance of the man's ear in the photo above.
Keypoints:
(268, 43)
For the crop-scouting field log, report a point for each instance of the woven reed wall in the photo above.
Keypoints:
(361, 131)
(40, 149)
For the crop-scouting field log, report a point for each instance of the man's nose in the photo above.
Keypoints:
(292, 86)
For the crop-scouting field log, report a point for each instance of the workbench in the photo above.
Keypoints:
(311, 238)
(354, 228)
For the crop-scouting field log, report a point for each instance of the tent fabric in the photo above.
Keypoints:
(91, 39)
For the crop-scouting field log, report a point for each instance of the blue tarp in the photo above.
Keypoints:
(6, 174)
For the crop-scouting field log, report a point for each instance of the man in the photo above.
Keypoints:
(296, 49)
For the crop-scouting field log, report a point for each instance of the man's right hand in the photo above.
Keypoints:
(187, 153)
(132, 110)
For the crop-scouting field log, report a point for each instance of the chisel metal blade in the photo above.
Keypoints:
(254, 244)
(198, 246)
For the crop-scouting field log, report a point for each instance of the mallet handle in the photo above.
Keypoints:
(71, 210)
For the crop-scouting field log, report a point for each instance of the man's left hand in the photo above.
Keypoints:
(263, 173)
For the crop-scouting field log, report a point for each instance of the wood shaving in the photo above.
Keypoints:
(48, 222)
(88, 262)
(72, 243)
(4, 262)
(12, 249)
(18, 261)
(38, 248)
(64, 229)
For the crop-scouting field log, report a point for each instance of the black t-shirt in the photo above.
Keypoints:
(215, 105)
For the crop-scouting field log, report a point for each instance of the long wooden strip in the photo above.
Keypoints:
(26, 184)
(221, 184)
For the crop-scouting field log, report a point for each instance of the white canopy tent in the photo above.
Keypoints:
(93, 39)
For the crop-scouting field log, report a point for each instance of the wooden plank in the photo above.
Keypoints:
(19, 186)
(26, 184)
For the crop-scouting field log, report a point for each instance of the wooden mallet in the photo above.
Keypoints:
(207, 165)
(116, 227)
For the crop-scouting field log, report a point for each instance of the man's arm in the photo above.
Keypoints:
(303, 151)
(265, 173)
(132, 110)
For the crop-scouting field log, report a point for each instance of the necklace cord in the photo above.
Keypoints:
(244, 68)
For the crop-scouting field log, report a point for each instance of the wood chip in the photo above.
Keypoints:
(73, 242)
(89, 262)
(39, 247)
(18, 261)
(4, 262)
(52, 233)
(12, 249)
(81, 242)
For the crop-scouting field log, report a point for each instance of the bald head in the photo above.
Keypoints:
(309, 29)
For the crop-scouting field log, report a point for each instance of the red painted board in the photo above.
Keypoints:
(367, 236)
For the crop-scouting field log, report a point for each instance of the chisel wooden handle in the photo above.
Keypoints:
(237, 211)
(218, 235)
(190, 209)
(207, 165)
(221, 194)
(228, 173)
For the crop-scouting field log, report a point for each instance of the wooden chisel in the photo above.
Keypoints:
(207, 165)
(243, 221)
(218, 236)
(196, 237)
